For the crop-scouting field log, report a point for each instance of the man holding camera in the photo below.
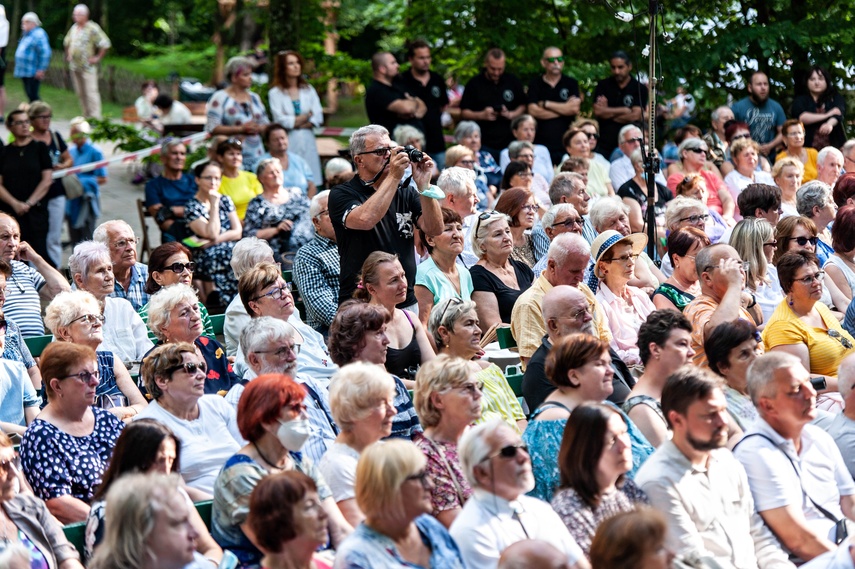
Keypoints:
(379, 208)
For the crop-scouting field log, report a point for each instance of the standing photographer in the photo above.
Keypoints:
(378, 209)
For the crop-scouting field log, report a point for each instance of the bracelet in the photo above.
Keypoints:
(753, 301)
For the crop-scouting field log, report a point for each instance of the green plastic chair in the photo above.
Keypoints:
(76, 535)
(505, 338)
(205, 510)
(37, 344)
(218, 322)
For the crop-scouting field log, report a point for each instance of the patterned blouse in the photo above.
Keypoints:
(450, 487)
(583, 521)
(680, 298)
(223, 110)
(262, 214)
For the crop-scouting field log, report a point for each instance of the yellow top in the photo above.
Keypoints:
(810, 165)
(241, 189)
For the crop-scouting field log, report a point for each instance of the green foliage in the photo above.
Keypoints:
(128, 138)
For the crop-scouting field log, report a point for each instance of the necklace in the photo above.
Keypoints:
(265, 459)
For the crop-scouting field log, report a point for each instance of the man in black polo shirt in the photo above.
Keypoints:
(429, 87)
(493, 99)
(387, 100)
(375, 211)
(618, 101)
(554, 100)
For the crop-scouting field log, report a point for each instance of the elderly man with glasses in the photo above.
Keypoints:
(130, 275)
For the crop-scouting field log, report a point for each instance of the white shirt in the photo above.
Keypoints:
(842, 429)
(236, 319)
(468, 256)
(840, 558)
(339, 469)
(775, 483)
(125, 334)
(206, 442)
(487, 525)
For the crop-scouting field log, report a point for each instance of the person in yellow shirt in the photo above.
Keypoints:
(241, 186)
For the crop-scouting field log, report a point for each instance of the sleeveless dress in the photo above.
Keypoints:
(680, 298)
(404, 362)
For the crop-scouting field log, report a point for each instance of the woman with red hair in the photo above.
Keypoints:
(271, 416)
(840, 265)
(844, 190)
(519, 204)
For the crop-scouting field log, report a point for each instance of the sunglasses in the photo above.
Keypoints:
(382, 152)
(510, 451)
(695, 218)
(178, 268)
(555, 59)
(453, 300)
(698, 150)
(569, 222)
(802, 241)
(593, 135)
(483, 217)
(840, 338)
(235, 141)
(189, 367)
(738, 136)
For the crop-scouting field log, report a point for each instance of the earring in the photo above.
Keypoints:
(789, 300)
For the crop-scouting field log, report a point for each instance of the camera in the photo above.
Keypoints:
(413, 153)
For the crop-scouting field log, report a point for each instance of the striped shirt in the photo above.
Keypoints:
(23, 304)
(136, 293)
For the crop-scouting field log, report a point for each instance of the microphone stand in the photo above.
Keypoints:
(651, 158)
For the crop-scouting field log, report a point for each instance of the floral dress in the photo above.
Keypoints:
(225, 111)
(212, 263)
(261, 214)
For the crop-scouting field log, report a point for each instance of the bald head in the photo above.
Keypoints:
(533, 553)
(565, 311)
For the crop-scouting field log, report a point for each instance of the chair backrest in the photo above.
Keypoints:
(205, 510)
(145, 247)
(37, 344)
(76, 535)
(505, 338)
(218, 322)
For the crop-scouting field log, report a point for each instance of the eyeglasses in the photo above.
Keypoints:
(569, 222)
(809, 280)
(381, 152)
(283, 351)
(772, 243)
(525, 174)
(189, 367)
(235, 141)
(122, 243)
(467, 162)
(554, 59)
(582, 312)
(483, 217)
(510, 451)
(322, 212)
(85, 376)
(19, 123)
(471, 388)
(453, 300)
(743, 266)
(282, 291)
(421, 477)
(623, 258)
(693, 219)
(802, 241)
(529, 207)
(738, 136)
(840, 338)
(179, 268)
(89, 319)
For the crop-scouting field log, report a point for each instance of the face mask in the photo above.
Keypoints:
(293, 434)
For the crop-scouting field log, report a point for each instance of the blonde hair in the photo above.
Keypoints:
(748, 238)
(383, 467)
(355, 389)
(68, 305)
(482, 228)
(439, 375)
(677, 208)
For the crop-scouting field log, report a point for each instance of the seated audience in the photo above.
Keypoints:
(683, 285)
(172, 112)
(317, 266)
(272, 418)
(805, 505)
(693, 158)
(393, 489)
(706, 519)
(129, 274)
(455, 329)
(497, 279)
(174, 318)
(753, 240)
(558, 219)
(248, 252)
(524, 128)
(361, 399)
(745, 155)
(842, 427)
(762, 201)
(19, 402)
(634, 194)
(74, 317)
(145, 446)
(569, 187)
(448, 401)
(65, 450)
(843, 191)
(694, 186)
(296, 172)
(632, 540)
(814, 201)
(468, 134)
(839, 266)
(497, 465)
(594, 459)
(14, 347)
(731, 348)
(519, 205)
(174, 375)
(577, 142)
(524, 151)
(459, 156)
(788, 173)
(793, 132)
(165, 195)
(461, 196)
(238, 184)
(532, 553)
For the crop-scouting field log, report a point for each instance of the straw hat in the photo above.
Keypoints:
(608, 239)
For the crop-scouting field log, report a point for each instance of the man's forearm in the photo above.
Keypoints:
(727, 311)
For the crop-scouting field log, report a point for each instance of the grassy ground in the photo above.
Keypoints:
(64, 103)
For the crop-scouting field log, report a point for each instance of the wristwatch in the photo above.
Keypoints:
(434, 192)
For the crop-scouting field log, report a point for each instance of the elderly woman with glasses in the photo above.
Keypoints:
(455, 329)
(124, 332)
(693, 157)
(271, 416)
(237, 111)
(67, 447)
(519, 204)
(803, 326)
(497, 278)
(393, 489)
(76, 317)
(468, 133)
(693, 186)
(174, 318)
(814, 200)
(206, 425)
(745, 154)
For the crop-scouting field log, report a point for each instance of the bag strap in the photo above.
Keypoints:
(822, 510)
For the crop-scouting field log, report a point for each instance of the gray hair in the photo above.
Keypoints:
(847, 147)
(554, 211)
(405, 134)
(565, 245)
(476, 446)
(823, 155)
(478, 237)
(563, 184)
(354, 391)
(31, 17)
(264, 164)
(337, 166)
(710, 256)
(81, 125)
(626, 129)
(464, 129)
(555, 300)
(760, 376)
(714, 116)
(83, 8)
(358, 138)
(811, 195)
(677, 209)
(689, 144)
(100, 233)
(68, 305)
(265, 330)
(170, 144)
(315, 206)
(235, 64)
(449, 310)
(86, 254)
(636, 157)
(455, 180)
(161, 304)
(517, 146)
(606, 208)
(249, 252)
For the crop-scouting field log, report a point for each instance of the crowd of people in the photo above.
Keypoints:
(692, 407)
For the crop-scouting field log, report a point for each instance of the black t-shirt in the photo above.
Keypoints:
(630, 189)
(806, 104)
(378, 97)
(633, 95)
(393, 234)
(22, 168)
(550, 131)
(56, 188)
(485, 281)
(481, 93)
(435, 98)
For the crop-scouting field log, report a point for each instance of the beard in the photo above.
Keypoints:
(718, 440)
(757, 99)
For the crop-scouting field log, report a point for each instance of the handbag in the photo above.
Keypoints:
(73, 186)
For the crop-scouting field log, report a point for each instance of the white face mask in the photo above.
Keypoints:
(293, 434)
